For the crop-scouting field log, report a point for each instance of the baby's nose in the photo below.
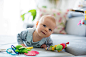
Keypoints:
(46, 29)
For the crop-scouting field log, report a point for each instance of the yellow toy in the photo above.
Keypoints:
(29, 47)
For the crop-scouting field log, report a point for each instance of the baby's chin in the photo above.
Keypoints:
(47, 36)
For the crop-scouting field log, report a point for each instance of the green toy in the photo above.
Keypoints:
(20, 49)
(59, 47)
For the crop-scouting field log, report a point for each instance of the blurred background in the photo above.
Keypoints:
(15, 16)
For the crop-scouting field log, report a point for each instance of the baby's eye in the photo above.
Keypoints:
(44, 25)
(50, 30)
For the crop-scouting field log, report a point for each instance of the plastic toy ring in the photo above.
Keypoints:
(10, 52)
(14, 48)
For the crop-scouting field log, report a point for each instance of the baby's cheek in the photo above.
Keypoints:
(39, 27)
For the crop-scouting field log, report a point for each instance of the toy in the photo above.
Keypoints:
(58, 47)
(82, 21)
(14, 48)
(20, 49)
(31, 53)
(10, 51)
(29, 47)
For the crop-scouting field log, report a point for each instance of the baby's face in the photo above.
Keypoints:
(45, 27)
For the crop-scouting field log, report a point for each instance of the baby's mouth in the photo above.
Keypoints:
(43, 32)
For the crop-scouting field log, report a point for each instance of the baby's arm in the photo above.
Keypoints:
(22, 37)
(43, 46)
(23, 45)
(48, 42)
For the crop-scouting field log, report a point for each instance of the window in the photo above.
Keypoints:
(10, 11)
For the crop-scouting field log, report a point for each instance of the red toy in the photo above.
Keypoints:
(31, 53)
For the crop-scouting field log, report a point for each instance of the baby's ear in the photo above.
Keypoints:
(37, 23)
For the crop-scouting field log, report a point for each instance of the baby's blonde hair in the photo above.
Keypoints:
(48, 16)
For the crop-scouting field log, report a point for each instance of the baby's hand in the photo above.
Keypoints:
(43, 46)
(23, 45)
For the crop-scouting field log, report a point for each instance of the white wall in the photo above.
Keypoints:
(1, 8)
(10, 22)
(1, 13)
(68, 4)
(59, 4)
(49, 4)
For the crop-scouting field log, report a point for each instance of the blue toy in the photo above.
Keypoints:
(10, 51)
(14, 48)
